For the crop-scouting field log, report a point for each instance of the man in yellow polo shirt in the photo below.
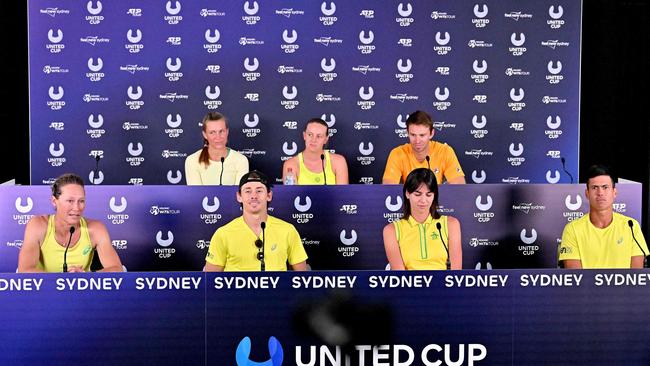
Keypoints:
(255, 241)
(422, 152)
(602, 238)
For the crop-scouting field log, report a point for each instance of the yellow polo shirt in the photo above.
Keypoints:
(420, 244)
(233, 246)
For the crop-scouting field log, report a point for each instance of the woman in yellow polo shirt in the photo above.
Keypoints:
(423, 239)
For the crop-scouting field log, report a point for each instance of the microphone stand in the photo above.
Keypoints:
(645, 257)
(65, 253)
(438, 226)
(221, 174)
(262, 263)
(322, 161)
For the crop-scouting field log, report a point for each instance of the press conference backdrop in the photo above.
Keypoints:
(129, 81)
(161, 228)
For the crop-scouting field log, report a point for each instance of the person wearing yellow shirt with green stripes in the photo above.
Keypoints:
(602, 238)
(66, 241)
(255, 241)
(315, 165)
(423, 239)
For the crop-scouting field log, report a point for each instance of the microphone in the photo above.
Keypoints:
(564, 168)
(645, 257)
(438, 226)
(428, 161)
(262, 263)
(65, 253)
(322, 161)
(97, 158)
(221, 174)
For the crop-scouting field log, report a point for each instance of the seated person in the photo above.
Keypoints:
(423, 239)
(48, 236)
(602, 238)
(421, 152)
(215, 163)
(308, 166)
(255, 241)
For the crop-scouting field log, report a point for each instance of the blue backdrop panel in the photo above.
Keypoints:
(500, 317)
(130, 81)
(159, 228)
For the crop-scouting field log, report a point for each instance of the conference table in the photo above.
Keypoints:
(469, 317)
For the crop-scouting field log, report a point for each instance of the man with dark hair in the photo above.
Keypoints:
(422, 152)
(255, 241)
(602, 238)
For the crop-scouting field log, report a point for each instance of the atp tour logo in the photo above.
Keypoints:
(554, 69)
(174, 41)
(330, 121)
(479, 76)
(348, 249)
(442, 70)
(173, 9)
(328, 11)
(289, 94)
(134, 12)
(517, 97)
(366, 159)
(118, 208)
(480, 14)
(553, 124)
(252, 97)
(57, 126)
(515, 158)
(94, 10)
(120, 244)
(394, 207)
(442, 47)
(517, 41)
(173, 66)
(303, 216)
(95, 66)
(134, 38)
(367, 14)
(212, 37)
(441, 103)
(251, 66)
(484, 214)
(163, 251)
(174, 124)
(289, 150)
(517, 126)
(620, 207)
(573, 206)
(290, 125)
(56, 154)
(213, 69)
(328, 67)
(477, 177)
(251, 122)
(212, 93)
(210, 206)
(365, 96)
(401, 124)
(251, 8)
(479, 131)
(404, 69)
(555, 13)
(134, 95)
(289, 38)
(56, 101)
(405, 42)
(554, 154)
(349, 209)
(135, 150)
(24, 207)
(366, 38)
(528, 240)
(404, 11)
(242, 354)
(55, 38)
